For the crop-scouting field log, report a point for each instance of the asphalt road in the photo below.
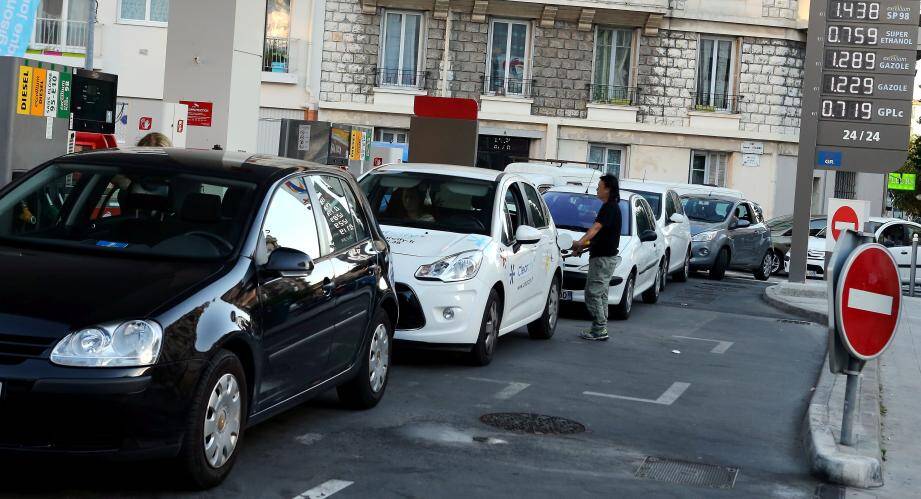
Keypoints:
(734, 397)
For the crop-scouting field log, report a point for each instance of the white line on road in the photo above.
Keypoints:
(668, 398)
(869, 302)
(325, 489)
(513, 388)
(721, 346)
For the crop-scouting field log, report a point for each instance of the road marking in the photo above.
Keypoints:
(668, 398)
(720, 348)
(513, 388)
(869, 302)
(325, 489)
(842, 226)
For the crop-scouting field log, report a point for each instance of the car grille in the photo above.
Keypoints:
(411, 314)
(15, 349)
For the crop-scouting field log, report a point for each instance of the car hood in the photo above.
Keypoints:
(50, 293)
(698, 227)
(575, 262)
(431, 243)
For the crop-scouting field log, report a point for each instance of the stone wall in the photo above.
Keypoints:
(784, 9)
(434, 53)
(469, 41)
(562, 70)
(771, 85)
(665, 75)
(350, 51)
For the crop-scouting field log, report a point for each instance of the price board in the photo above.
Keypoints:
(859, 83)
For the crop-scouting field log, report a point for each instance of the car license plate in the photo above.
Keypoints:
(567, 295)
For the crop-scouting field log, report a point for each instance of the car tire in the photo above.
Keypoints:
(651, 295)
(221, 397)
(485, 347)
(776, 262)
(623, 309)
(764, 270)
(366, 389)
(718, 270)
(544, 327)
(663, 282)
(685, 272)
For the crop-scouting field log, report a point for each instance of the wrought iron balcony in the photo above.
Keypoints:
(385, 77)
(512, 87)
(61, 35)
(276, 55)
(717, 102)
(613, 94)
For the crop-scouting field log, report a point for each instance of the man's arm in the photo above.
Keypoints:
(579, 246)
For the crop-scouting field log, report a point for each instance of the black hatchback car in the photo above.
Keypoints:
(159, 301)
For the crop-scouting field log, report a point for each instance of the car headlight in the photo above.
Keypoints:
(459, 267)
(617, 261)
(128, 344)
(705, 236)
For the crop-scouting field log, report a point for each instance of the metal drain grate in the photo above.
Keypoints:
(794, 321)
(537, 424)
(684, 473)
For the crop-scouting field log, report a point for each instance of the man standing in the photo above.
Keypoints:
(602, 241)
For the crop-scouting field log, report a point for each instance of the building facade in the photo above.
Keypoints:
(698, 91)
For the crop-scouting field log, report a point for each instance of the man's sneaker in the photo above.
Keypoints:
(588, 335)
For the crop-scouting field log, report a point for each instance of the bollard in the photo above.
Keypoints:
(914, 266)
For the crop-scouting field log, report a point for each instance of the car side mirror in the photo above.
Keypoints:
(564, 241)
(741, 224)
(289, 262)
(677, 218)
(527, 235)
(649, 236)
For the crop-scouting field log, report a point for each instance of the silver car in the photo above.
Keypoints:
(728, 233)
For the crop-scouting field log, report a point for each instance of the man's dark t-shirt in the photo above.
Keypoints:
(607, 239)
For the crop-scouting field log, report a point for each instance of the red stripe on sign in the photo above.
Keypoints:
(444, 107)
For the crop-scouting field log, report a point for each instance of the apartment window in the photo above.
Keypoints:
(845, 185)
(393, 135)
(154, 12)
(709, 168)
(61, 25)
(509, 50)
(401, 51)
(609, 157)
(714, 75)
(611, 80)
(277, 36)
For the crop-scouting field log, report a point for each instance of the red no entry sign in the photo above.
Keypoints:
(868, 301)
(844, 218)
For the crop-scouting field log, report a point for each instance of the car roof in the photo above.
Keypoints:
(646, 185)
(438, 169)
(257, 168)
(714, 196)
(575, 189)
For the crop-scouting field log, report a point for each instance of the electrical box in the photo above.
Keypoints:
(139, 118)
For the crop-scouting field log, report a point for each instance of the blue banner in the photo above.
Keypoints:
(17, 19)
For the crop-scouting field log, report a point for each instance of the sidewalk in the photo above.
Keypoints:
(889, 420)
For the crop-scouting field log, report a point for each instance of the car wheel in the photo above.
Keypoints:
(651, 295)
(366, 389)
(776, 262)
(544, 327)
(215, 425)
(485, 346)
(764, 271)
(623, 309)
(718, 270)
(664, 277)
(685, 272)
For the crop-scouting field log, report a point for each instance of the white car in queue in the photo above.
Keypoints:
(666, 207)
(476, 255)
(642, 264)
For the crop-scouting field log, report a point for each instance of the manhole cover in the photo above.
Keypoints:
(538, 424)
(684, 473)
(794, 321)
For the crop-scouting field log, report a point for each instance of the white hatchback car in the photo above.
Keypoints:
(475, 255)
(642, 265)
(669, 213)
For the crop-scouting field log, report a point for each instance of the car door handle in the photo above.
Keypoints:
(905, 252)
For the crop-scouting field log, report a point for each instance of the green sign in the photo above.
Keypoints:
(65, 88)
(902, 181)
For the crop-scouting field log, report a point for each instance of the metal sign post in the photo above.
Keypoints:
(914, 266)
(857, 93)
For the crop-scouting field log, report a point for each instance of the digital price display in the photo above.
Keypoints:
(854, 11)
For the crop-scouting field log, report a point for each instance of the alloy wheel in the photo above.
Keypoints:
(767, 265)
(379, 358)
(629, 296)
(553, 304)
(222, 421)
(775, 263)
(492, 328)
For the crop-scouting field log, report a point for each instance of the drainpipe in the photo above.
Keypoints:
(90, 36)
(446, 61)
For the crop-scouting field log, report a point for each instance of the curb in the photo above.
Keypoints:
(771, 297)
(827, 460)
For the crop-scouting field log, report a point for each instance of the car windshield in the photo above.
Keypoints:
(707, 209)
(429, 201)
(654, 199)
(577, 212)
(127, 210)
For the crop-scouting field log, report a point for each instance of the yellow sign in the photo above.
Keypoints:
(39, 77)
(355, 146)
(24, 93)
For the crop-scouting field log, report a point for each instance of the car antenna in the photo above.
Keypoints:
(591, 180)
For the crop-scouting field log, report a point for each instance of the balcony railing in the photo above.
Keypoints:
(612, 94)
(62, 35)
(513, 87)
(275, 56)
(717, 102)
(385, 77)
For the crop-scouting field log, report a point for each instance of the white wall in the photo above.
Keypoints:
(137, 54)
